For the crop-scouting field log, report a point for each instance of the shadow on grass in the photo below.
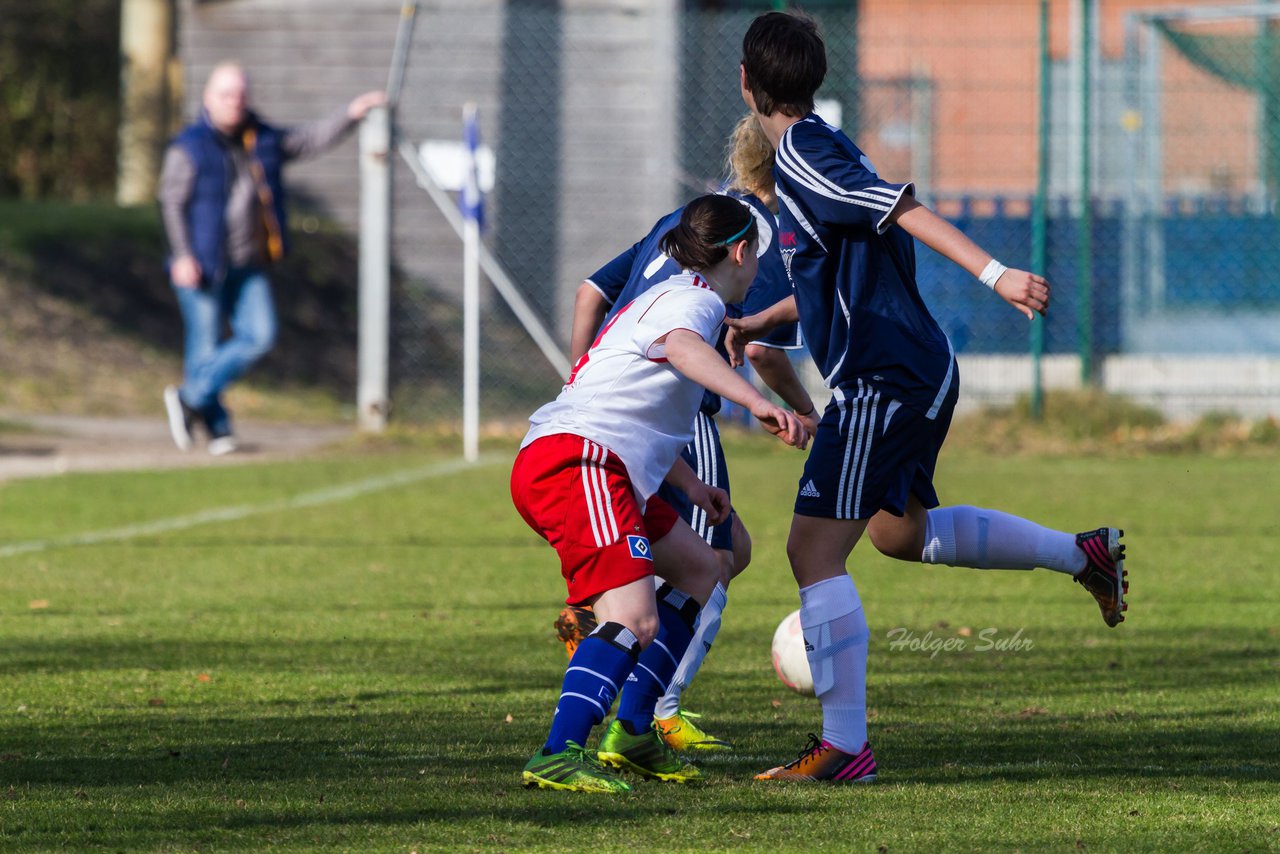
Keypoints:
(536, 819)
(425, 650)
(1177, 710)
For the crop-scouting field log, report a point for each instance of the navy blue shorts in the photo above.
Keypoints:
(871, 454)
(706, 457)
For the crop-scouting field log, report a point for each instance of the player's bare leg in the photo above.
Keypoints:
(630, 605)
(686, 562)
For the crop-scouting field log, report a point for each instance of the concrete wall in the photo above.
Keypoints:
(594, 147)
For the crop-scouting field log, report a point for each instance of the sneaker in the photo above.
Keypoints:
(819, 762)
(681, 732)
(1104, 574)
(572, 769)
(573, 625)
(182, 418)
(646, 754)
(222, 445)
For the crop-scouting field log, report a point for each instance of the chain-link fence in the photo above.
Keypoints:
(603, 116)
(1199, 230)
(602, 119)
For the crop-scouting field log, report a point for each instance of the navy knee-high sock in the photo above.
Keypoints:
(591, 682)
(677, 616)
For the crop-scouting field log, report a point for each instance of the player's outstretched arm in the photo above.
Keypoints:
(712, 499)
(744, 330)
(697, 360)
(775, 368)
(589, 309)
(1025, 291)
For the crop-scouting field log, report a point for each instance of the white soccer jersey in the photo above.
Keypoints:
(624, 395)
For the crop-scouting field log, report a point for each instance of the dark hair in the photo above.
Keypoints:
(708, 226)
(785, 62)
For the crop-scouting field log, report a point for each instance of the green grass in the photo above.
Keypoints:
(370, 674)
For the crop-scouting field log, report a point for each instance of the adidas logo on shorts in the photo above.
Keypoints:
(810, 491)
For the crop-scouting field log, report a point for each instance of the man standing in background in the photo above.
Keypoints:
(222, 201)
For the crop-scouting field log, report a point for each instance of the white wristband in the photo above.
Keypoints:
(992, 273)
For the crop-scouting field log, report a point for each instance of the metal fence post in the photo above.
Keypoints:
(375, 270)
(1084, 319)
(1039, 213)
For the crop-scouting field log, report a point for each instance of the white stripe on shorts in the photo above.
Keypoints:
(708, 470)
(698, 516)
(596, 489)
(866, 455)
(611, 526)
(853, 469)
(587, 451)
(852, 409)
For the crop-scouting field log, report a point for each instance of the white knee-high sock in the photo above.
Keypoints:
(988, 539)
(703, 636)
(836, 634)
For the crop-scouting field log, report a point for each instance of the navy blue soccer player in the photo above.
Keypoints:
(615, 285)
(848, 239)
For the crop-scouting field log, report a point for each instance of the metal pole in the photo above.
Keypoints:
(400, 55)
(470, 326)
(375, 270)
(1039, 214)
(492, 268)
(1084, 325)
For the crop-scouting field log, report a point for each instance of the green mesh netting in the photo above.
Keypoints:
(1248, 60)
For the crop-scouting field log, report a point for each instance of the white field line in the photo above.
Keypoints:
(328, 495)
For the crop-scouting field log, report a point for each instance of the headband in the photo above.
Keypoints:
(729, 241)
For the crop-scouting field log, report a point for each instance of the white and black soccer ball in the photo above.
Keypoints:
(789, 659)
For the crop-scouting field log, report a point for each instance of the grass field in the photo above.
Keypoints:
(356, 654)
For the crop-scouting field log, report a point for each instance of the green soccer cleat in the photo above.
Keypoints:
(573, 770)
(682, 733)
(646, 754)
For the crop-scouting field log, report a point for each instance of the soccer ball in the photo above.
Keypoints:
(789, 659)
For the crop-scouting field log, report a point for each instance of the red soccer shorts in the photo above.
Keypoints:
(577, 495)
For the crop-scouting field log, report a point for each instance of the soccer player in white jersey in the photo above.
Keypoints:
(599, 297)
(585, 480)
(848, 238)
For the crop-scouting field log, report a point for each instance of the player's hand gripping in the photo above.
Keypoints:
(1026, 292)
(741, 332)
(712, 499)
(781, 423)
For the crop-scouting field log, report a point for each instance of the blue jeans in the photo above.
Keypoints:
(210, 362)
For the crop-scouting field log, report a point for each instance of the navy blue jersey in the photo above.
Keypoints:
(771, 285)
(638, 269)
(854, 273)
(645, 265)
